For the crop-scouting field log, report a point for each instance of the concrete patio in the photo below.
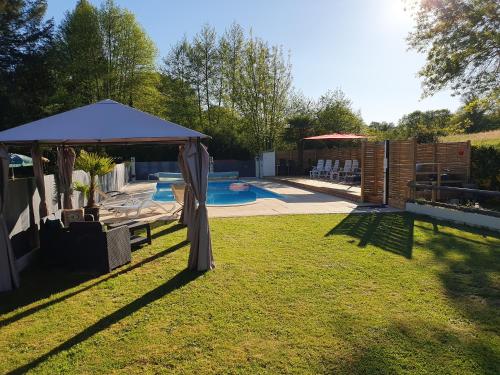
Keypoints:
(325, 186)
(294, 201)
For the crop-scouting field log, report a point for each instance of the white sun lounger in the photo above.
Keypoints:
(334, 170)
(315, 172)
(355, 171)
(342, 171)
(137, 204)
(326, 168)
(115, 198)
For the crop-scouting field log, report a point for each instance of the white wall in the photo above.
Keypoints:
(462, 217)
(24, 200)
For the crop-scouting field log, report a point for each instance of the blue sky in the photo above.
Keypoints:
(356, 45)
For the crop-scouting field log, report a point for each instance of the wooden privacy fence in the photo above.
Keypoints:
(433, 163)
(372, 172)
(401, 164)
(311, 156)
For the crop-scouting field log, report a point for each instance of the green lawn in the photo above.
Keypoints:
(292, 294)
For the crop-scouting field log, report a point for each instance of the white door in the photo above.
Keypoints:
(268, 163)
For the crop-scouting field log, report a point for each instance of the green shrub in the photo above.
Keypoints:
(485, 167)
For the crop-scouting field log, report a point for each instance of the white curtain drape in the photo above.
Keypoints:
(9, 278)
(196, 159)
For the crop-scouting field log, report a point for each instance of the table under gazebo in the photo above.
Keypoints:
(108, 123)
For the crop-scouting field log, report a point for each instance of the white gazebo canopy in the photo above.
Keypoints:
(108, 122)
(104, 122)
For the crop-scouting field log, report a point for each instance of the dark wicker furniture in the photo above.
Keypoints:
(134, 227)
(85, 246)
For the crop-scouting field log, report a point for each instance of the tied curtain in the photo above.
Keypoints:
(65, 163)
(188, 209)
(196, 161)
(9, 278)
(36, 155)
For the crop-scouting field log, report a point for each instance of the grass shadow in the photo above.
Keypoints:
(471, 266)
(389, 231)
(429, 345)
(178, 281)
(169, 230)
(45, 279)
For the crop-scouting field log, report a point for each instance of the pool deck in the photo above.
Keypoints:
(325, 186)
(293, 200)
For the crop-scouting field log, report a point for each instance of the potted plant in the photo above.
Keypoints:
(95, 165)
(82, 188)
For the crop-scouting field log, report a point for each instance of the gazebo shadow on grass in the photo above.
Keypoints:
(178, 281)
(391, 231)
(45, 282)
(168, 230)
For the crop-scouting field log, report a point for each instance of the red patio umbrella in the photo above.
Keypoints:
(334, 136)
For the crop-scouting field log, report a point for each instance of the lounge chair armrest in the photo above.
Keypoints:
(115, 192)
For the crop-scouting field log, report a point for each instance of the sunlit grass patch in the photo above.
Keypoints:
(305, 294)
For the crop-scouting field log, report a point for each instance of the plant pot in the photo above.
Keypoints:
(94, 211)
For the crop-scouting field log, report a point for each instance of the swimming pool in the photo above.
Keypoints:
(220, 193)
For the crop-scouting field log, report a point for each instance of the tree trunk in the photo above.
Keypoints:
(91, 201)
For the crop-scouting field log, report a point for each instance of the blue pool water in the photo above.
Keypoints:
(220, 193)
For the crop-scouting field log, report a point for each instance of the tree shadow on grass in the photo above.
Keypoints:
(414, 347)
(471, 269)
(389, 231)
(466, 259)
(45, 280)
(178, 281)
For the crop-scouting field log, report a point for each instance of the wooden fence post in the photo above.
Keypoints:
(438, 193)
(363, 170)
(413, 159)
(433, 194)
(468, 154)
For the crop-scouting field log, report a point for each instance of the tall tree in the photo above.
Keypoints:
(234, 39)
(477, 115)
(263, 92)
(104, 53)
(181, 81)
(205, 57)
(425, 127)
(130, 56)
(299, 127)
(382, 130)
(236, 81)
(462, 41)
(80, 46)
(336, 115)
(181, 103)
(25, 73)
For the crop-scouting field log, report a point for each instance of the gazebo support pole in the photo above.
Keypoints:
(36, 155)
(198, 149)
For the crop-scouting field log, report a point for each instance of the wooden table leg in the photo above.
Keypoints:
(148, 233)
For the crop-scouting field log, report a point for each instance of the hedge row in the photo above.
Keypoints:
(485, 167)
